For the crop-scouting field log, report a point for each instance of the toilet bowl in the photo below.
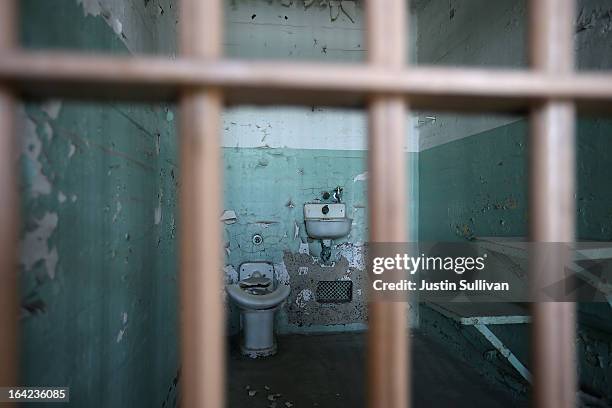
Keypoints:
(258, 296)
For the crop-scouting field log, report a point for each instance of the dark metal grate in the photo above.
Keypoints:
(334, 291)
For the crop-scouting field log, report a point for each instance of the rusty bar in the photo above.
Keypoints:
(50, 74)
(202, 310)
(388, 378)
(9, 213)
(552, 205)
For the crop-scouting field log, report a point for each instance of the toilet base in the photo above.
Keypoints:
(258, 353)
(258, 333)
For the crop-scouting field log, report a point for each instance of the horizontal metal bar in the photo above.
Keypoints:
(37, 74)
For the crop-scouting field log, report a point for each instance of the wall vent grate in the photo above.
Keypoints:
(339, 291)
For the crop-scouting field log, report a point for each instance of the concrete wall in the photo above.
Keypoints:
(473, 168)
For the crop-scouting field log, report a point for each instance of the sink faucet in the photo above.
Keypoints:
(338, 194)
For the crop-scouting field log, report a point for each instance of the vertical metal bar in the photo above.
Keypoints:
(9, 211)
(552, 212)
(388, 377)
(202, 310)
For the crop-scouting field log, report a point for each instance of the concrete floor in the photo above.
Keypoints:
(327, 371)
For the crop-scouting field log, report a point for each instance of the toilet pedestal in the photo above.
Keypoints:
(258, 332)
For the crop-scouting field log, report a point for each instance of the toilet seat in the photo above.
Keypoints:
(257, 300)
(256, 280)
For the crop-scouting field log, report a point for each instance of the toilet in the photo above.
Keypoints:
(258, 296)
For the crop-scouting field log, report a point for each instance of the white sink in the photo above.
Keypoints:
(326, 221)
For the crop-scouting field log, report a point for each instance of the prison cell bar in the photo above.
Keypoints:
(387, 368)
(51, 74)
(552, 205)
(9, 298)
(202, 310)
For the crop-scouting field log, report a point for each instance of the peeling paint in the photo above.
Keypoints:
(120, 335)
(303, 298)
(158, 214)
(117, 26)
(112, 13)
(48, 130)
(361, 177)
(52, 108)
(71, 150)
(354, 253)
(280, 271)
(118, 208)
(124, 322)
(31, 149)
(35, 245)
(91, 7)
(303, 310)
(231, 274)
(229, 217)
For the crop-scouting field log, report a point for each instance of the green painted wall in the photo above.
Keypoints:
(98, 264)
(475, 186)
(473, 170)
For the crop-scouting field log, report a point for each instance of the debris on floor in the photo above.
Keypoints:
(273, 397)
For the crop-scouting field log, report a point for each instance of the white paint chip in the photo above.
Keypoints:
(120, 335)
(361, 177)
(117, 211)
(71, 150)
(117, 26)
(231, 275)
(48, 130)
(52, 108)
(92, 7)
(303, 298)
(229, 217)
(282, 276)
(61, 197)
(158, 215)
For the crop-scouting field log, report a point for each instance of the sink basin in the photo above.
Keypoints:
(326, 221)
(328, 228)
